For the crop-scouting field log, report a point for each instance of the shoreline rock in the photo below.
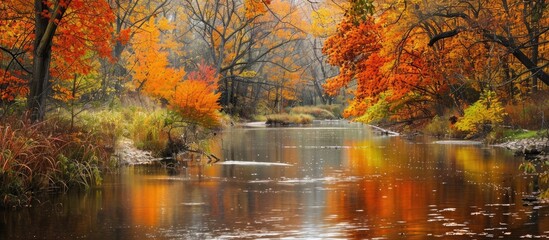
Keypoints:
(128, 154)
(529, 147)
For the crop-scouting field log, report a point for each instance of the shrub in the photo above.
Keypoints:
(147, 130)
(335, 109)
(482, 115)
(259, 118)
(108, 124)
(437, 127)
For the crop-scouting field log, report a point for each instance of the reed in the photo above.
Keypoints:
(285, 119)
(47, 156)
(316, 112)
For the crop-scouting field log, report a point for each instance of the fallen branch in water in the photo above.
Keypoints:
(383, 131)
(210, 156)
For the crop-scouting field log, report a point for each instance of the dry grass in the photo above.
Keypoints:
(316, 112)
(45, 156)
(285, 119)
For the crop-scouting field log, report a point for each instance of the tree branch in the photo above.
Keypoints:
(522, 57)
(443, 35)
(14, 57)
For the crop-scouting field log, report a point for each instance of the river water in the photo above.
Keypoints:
(332, 180)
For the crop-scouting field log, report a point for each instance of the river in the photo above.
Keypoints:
(331, 180)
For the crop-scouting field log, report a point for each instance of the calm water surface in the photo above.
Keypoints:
(329, 181)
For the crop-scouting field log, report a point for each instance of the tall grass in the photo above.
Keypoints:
(316, 112)
(57, 155)
(285, 119)
(335, 109)
(148, 130)
(107, 124)
(45, 156)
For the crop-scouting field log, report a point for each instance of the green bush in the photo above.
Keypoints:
(483, 115)
(148, 132)
(146, 128)
(259, 118)
(106, 123)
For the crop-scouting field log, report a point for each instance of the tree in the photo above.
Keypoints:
(13, 68)
(240, 37)
(151, 70)
(429, 58)
(76, 25)
(517, 26)
(130, 17)
(192, 96)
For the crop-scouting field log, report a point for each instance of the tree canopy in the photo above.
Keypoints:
(431, 58)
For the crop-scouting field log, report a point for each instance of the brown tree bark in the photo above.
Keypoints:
(39, 85)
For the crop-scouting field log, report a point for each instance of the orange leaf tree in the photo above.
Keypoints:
(61, 34)
(429, 58)
(242, 37)
(193, 98)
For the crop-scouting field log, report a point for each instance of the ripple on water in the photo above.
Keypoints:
(191, 204)
(252, 163)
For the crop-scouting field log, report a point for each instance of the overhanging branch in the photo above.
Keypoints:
(14, 57)
(443, 35)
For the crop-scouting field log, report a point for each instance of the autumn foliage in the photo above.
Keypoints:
(191, 95)
(429, 59)
(196, 102)
(79, 41)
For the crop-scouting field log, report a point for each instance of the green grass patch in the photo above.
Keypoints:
(521, 134)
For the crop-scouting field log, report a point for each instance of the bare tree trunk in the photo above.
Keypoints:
(44, 32)
(39, 86)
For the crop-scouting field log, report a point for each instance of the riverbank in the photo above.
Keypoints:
(128, 154)
(529, 147)
(49, 156)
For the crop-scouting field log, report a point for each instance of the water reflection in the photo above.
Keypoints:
(344, 182)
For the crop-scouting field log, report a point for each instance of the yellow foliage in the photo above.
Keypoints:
(324, 21)
(165, 25)
(248, 74)
(376, 113)
(487, 110)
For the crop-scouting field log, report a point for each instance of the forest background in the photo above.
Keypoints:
(77, 76)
